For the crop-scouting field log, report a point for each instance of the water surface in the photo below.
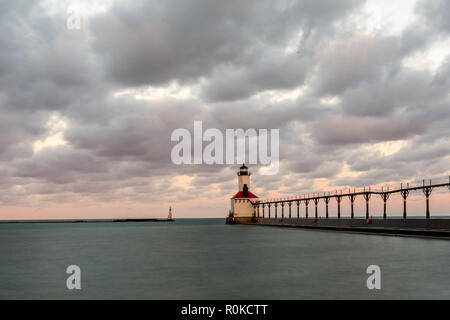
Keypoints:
(206, 259)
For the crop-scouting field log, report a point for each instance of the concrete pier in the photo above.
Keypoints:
(246, 208)
(434, 228)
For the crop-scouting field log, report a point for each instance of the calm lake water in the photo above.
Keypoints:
(206, 259)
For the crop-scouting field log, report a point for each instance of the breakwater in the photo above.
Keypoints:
(435, 228)
(287, 212)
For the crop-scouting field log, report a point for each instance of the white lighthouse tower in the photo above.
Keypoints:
(242, 209)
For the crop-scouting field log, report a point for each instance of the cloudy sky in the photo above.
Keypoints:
(358, 89)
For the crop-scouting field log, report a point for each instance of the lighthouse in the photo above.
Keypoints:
(242, 209)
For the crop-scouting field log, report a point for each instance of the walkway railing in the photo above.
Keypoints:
(427, 188)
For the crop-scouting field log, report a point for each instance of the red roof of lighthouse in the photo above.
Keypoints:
(240, 194)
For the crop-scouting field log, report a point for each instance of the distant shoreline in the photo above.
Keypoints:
(88, 221)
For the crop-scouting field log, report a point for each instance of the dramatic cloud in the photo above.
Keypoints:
(435, 13)
(358, 89)
(359, 130)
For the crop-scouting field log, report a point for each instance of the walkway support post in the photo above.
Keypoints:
(339, 199)
(385, 197)
(282, 210)
(427, 191)
(352, 201)
(290, 205)
(405, 194)
(367, 196)
(327, 201)
(268, 206)
(298, 209)
(276, 210)
(306, 203)
(316, 202)
(264, 205)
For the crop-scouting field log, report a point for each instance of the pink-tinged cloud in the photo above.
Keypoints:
(356, 130)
